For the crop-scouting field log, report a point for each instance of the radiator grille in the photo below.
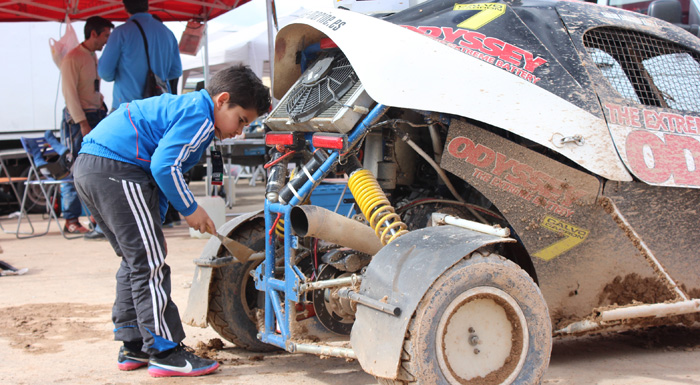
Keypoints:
(307, 101)
(309, 106)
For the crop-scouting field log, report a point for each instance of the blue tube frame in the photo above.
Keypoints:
(275, 332)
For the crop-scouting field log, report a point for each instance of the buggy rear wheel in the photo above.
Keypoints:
(484, 321)
(233, 296)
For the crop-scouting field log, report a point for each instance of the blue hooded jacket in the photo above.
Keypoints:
(165, 136)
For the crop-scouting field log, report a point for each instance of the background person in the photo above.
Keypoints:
(124, 58)
(172, 217)
(124, 61)
(130, 166)
(84, 109)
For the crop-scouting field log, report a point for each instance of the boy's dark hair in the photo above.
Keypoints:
(97, 24)
(244, 87)
(135, 6)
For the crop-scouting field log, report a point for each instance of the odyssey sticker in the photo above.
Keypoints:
(652, 120)
(662, 147)
(506, 56)
(516, 177)
(658, 158)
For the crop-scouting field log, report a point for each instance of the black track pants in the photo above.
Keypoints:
(124, 201)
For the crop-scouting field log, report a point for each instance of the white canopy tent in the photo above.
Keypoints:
(248, 46)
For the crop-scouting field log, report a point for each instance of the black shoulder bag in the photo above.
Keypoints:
(154, 85)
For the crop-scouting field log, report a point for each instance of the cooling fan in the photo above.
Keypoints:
(321, 86)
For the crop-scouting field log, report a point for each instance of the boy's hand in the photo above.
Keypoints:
(200, 221)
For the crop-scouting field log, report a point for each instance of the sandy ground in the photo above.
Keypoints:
(55, 327)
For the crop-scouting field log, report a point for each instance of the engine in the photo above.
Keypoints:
(399, 162)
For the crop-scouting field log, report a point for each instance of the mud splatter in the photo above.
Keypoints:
(633, 288)
(209, 349)
(610, 208)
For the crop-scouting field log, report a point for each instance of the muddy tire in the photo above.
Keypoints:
(484, 321)
(233, 297)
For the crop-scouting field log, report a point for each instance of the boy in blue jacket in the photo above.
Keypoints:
(129, 167)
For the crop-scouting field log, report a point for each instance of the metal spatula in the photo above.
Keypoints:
(239, 251)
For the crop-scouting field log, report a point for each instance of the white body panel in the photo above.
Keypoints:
(401, 68)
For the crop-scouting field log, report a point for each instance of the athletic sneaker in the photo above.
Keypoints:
(130, 360)
(94, 235)
(180, 362)
(73, 226)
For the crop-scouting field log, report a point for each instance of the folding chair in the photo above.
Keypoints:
(38, 149)
(9, 180)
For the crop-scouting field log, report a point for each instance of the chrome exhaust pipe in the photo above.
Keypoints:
(317, 222)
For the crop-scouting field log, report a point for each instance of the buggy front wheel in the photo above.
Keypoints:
(484, 321)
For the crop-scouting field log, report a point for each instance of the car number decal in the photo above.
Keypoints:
(659, 147)
(488, 12)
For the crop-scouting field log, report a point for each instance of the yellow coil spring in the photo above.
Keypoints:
(279, 229)
(375, 206)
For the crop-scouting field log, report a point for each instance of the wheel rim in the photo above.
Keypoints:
(249, 294)
(482, 338)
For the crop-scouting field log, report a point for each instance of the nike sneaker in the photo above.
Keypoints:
(130, 360)
(181, 362)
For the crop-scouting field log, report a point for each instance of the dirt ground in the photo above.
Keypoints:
(55, 327)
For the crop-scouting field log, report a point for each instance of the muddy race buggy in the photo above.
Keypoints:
(503, 172)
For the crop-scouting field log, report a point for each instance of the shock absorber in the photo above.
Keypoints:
(374, 204)
(279, 229)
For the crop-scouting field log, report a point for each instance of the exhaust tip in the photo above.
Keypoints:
(300, 222)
